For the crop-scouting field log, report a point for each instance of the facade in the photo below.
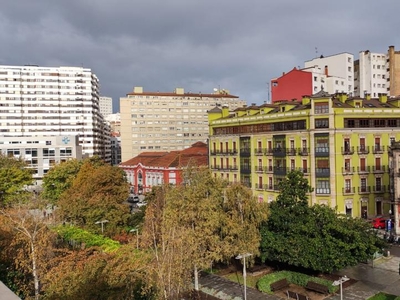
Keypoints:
(339, 65)
(370, 75)
(106, 106)
(150, 169)
(308, 81)
(42, 152)
(340, 143)
(393, 61)
(394, 163)
(158, 121)
(44, 101)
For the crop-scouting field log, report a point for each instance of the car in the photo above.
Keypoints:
(379, 223)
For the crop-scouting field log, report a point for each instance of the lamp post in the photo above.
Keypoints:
(240, 256)
(137, 236)
(340, 282)
(102, 225)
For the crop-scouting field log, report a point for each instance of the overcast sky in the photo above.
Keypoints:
(199, 45)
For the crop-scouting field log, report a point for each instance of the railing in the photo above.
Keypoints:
(348, 150)
(291, 151)
(268, 151)
(378, 149)
(280, 170)
(268, 169)
(378, 169)
(363, 170)
(258, 151)
(279, 151)
(270, 187)
(364, 189)
(378, 188)
(348, 190)
(259, 169)
(348, 170)
(322, 191)
(245, 169)
(321, 151)
(363, 149)
(245, 151)
(304, 170)
(303, 151)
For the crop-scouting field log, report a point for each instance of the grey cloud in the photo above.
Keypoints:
(198, 45)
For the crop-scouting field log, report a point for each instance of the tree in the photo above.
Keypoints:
(59, 179)
(97, 193)
(241, 219)
(313, 237)
(94, 274)
(30, 243)
(14, 176)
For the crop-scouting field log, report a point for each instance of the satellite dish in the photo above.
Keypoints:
(215, 90)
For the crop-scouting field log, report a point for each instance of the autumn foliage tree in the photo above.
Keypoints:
(98, 192)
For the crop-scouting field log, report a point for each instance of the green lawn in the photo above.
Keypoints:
(251, 281)
(383, 296)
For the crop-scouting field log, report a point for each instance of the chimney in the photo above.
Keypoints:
(382, 97)
(326, 70)
(367, 96)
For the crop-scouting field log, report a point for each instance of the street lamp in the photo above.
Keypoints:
(240, 256)
(340, 282)
(137, 236)
(102, 225)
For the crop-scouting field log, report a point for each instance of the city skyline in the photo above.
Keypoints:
(239, 46)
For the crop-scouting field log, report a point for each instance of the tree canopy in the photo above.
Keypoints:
(313, 237)
(14, 176)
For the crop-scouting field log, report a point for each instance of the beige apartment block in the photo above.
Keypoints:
(167, 121)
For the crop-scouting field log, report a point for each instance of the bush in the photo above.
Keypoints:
(264, 284)
(383, 296)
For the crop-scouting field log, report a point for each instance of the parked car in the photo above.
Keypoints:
(379, 223)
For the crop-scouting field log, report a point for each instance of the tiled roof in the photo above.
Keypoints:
(197, 154)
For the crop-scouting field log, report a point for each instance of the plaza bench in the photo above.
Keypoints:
(277, 285)
(316, 287)
(297, 296)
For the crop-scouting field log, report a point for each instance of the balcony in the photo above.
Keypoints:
(322, 191)
(378, 169)
(261, 186)
(363, 170)
(280, 171)
(268, 151)
(258, 169)
(348, 190)
(303, 151)
(259, 151)
(268, 169)
(363, 149)
(348, 170)
(364, 190)
(348, 150)
(291, 151)
(378, 189)
(270, 187)
(233, 167)
(377, 149)
(279, 151)
(322, 172)
(215, 167)
(245, 169)
(321, 151)
(304, 170)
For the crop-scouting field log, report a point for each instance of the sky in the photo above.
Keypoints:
(198, 45)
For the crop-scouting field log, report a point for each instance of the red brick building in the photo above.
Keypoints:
(150, 169)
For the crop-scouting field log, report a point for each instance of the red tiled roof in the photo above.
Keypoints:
(197, 154)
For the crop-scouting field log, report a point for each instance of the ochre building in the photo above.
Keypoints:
(341, 145)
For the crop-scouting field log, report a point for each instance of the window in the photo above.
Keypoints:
(322, 123)
(321, 108)
(323, 186)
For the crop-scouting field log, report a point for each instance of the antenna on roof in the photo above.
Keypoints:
(316, 51)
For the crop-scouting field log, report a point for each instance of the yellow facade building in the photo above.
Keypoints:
(341, 145)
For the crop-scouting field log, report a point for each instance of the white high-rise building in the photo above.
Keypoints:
(47, 101)
(338, 65)
(371, 75)
(106, 106)
(165, 121)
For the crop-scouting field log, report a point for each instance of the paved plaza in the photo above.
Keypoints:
(382, 276)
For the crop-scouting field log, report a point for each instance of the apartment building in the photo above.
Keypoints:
(393, 71)
(394, 163)
(340, 65)
(162, 121)
(340, 144)
(106, 106)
